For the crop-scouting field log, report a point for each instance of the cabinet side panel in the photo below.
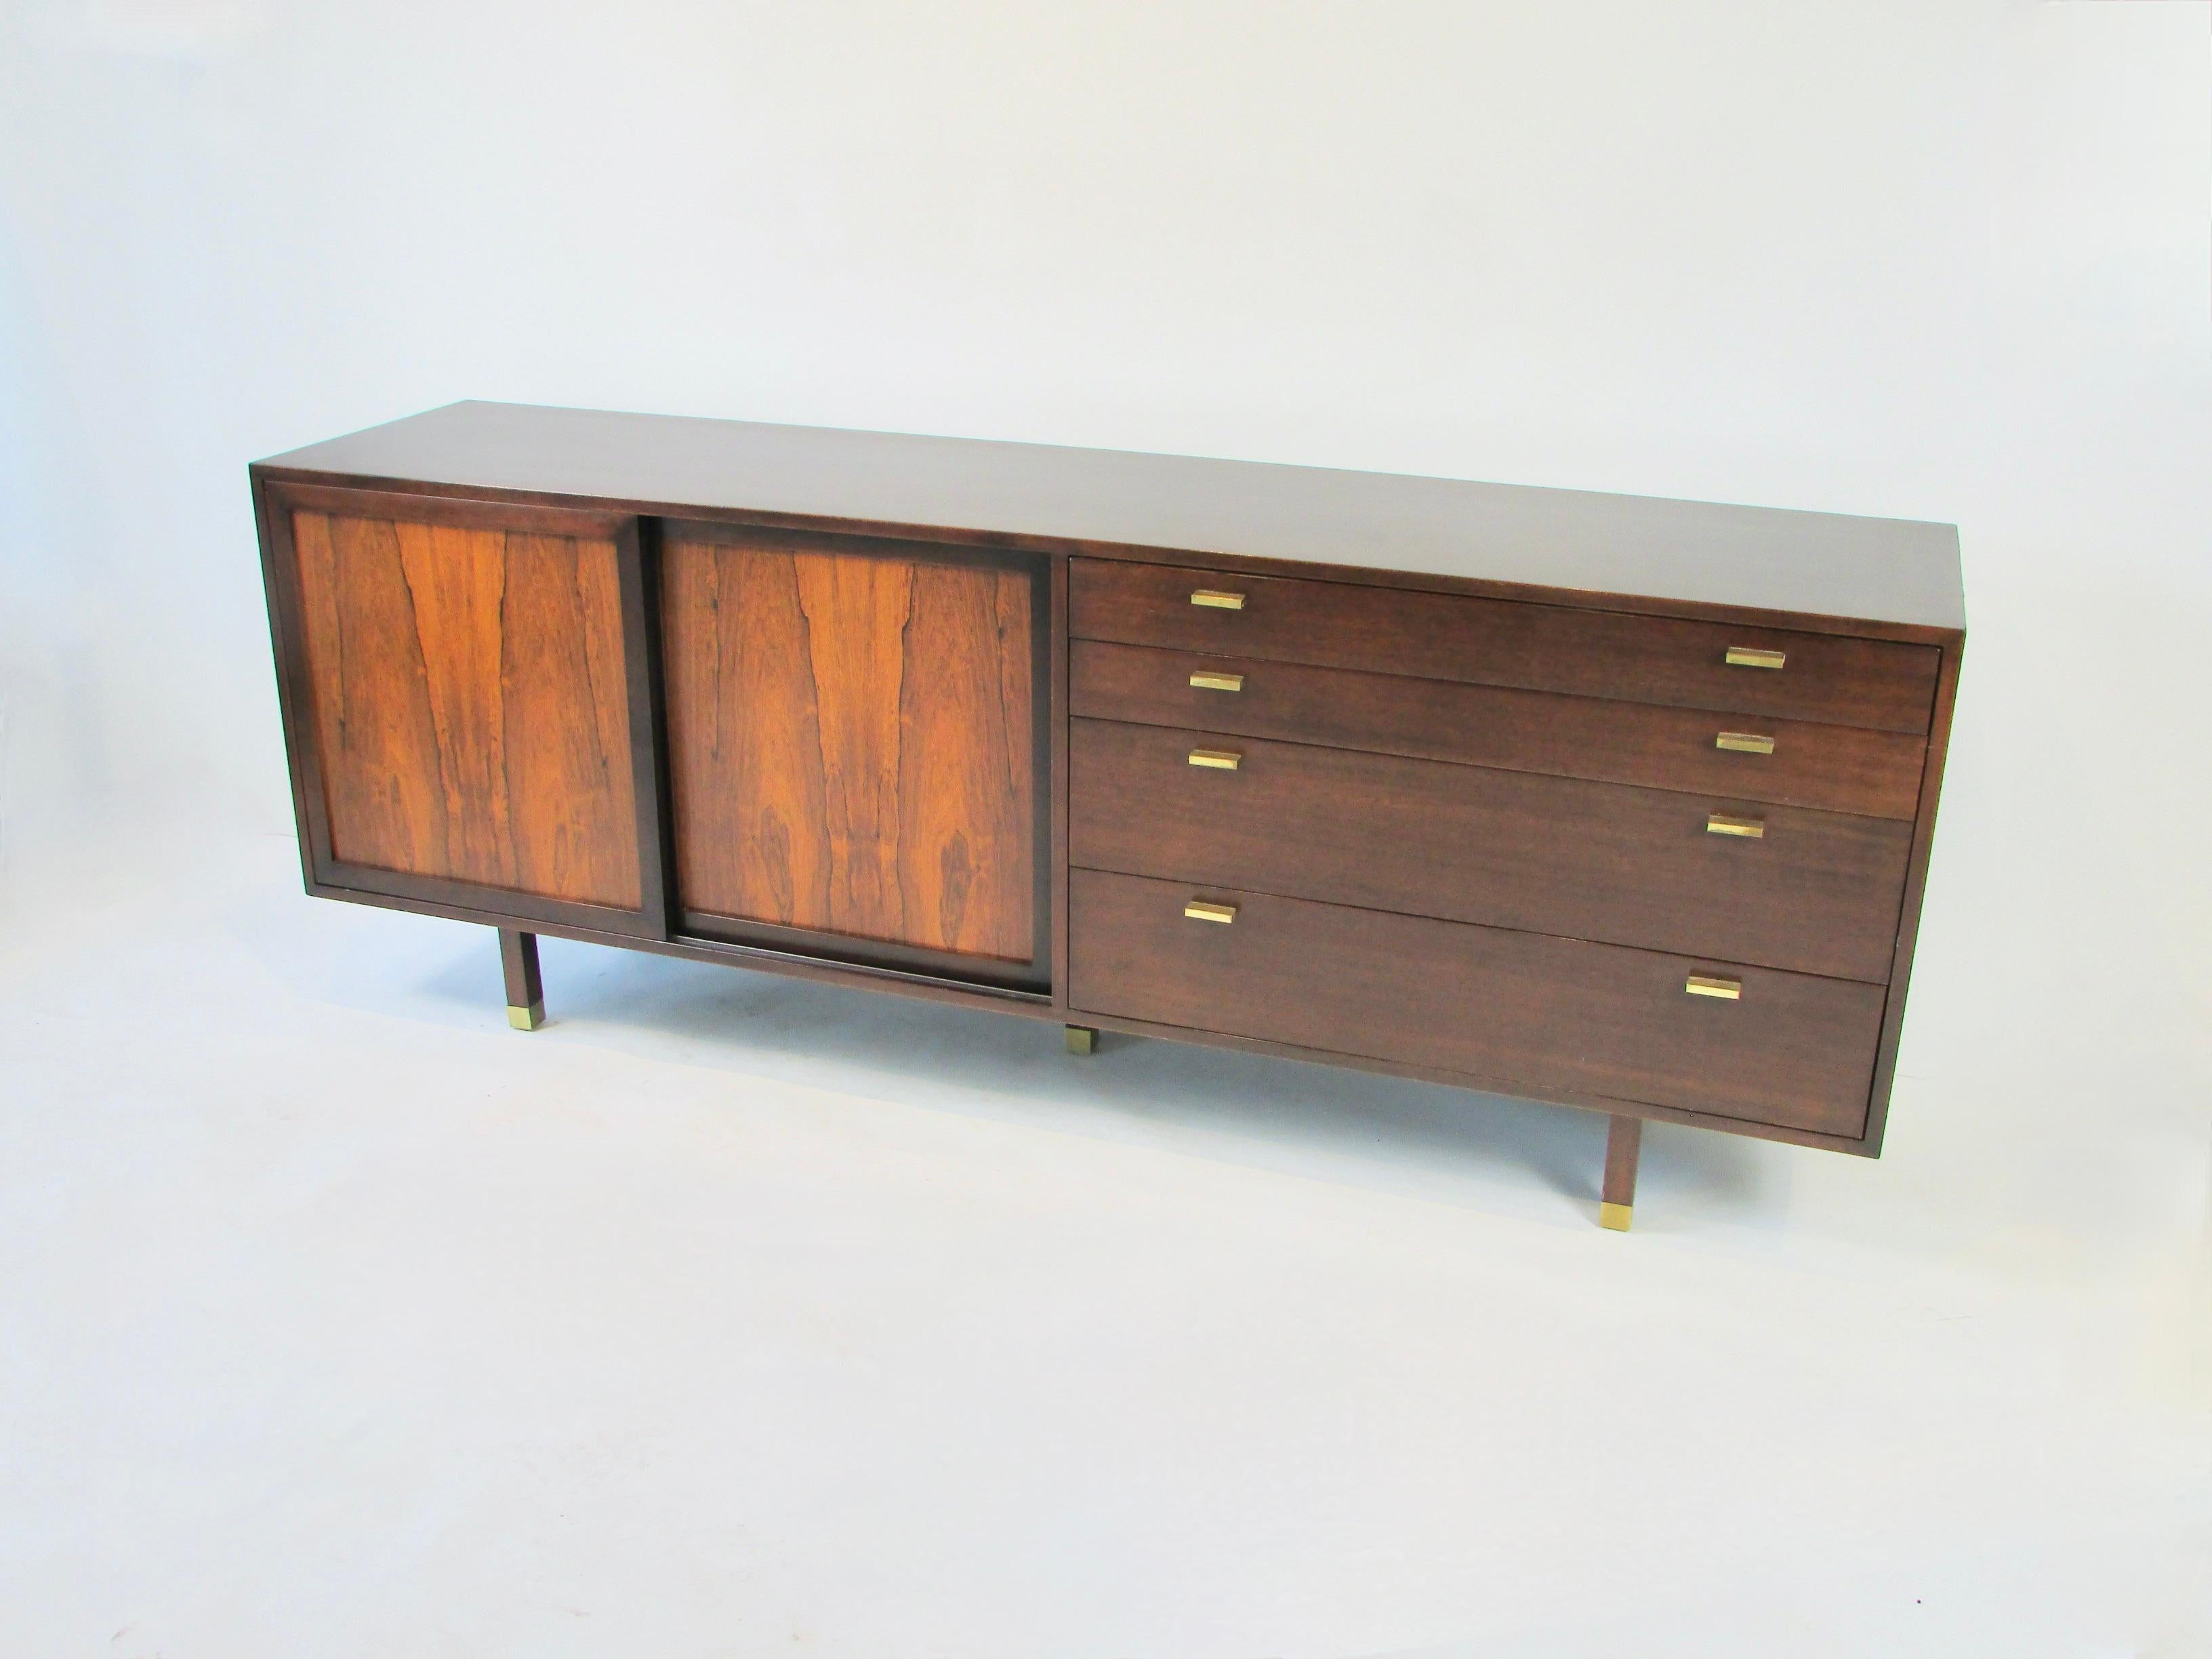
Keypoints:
(850, 743)
(470, 715)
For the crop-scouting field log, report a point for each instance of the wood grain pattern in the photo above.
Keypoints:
(1537, 648)
(852, 742)
(1839, 768)
(469, 712)
(443, 727)
(1517, 1012)
(1817, 894)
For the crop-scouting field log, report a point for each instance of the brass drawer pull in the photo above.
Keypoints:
(1741, 743)
(1748, 656)
(1701, 985)
(1221, 760)
(1214, 600)
(1720, 823)
(1200, 910)
(1218, 682)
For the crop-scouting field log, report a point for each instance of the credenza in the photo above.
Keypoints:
(1621, 803)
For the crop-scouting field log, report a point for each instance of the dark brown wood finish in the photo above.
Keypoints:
(1916, 883)
(1817, 893)
(1583, 1100)
(1840, 769)
(1038, 1005)
(1538, 647)
(853, 732)
(806, 961)
(1525, 1011)
(638, 544)
(1624, 1143)
(1056, 773)
(526, 987)
(1880, 578)
(1470, 717)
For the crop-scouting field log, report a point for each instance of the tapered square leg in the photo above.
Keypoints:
(1082, 1039)
(1622, 1145)
(526, 993)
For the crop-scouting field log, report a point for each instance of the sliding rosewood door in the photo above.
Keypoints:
(856, 748)
(468, 704)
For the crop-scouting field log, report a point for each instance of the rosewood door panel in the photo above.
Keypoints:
(854, 732)
(465, 701)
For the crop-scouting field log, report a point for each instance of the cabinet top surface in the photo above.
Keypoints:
(1886, 571)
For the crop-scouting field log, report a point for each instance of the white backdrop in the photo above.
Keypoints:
(1888, 257)
(1943, 261)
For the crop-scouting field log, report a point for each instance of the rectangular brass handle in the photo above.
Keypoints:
(1222, 760)
(1742, 743)
(1200, 910)
(1214, 600)
(1750, 656)
(1218, 682)
(1720, 823)
(1702, 985)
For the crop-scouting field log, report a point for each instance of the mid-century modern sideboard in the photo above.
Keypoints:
(1616, 802)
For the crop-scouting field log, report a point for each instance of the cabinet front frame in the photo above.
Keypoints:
(634, 527)
(328, 875)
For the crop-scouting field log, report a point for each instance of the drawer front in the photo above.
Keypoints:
(1839, 768)
(1519, 1011)
(1816, 892)
(1540, 647)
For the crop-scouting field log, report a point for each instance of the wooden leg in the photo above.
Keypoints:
(526, 993)
(1622, 1145)
(1082, 1039)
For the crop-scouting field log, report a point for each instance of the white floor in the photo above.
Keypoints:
(733, 1315)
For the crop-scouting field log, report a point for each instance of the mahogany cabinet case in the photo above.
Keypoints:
(1621, 803)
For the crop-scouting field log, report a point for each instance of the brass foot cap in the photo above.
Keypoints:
(1615, 1216)
(525, 1020)
(1082, 1039)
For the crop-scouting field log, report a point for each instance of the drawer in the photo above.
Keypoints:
(1841, 769)
(1816, 892)
(1537, 647)
(1518, 1011)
